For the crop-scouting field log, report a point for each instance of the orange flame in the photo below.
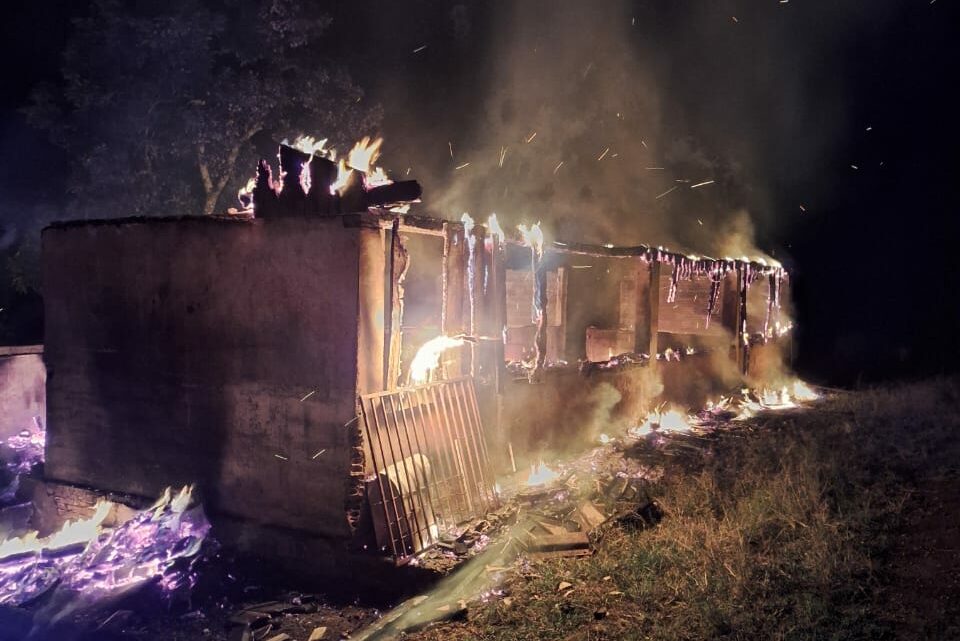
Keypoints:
(310, 145)
(494, 228)
(343, 177)
(672, 421)
(364, 154)
(72, 532)
(532, 237)
(376, 178)
(427, 360)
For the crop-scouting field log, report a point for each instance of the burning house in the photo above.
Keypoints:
(338, 375)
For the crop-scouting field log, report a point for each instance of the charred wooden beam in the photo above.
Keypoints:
(744, 278)
(397, 265)
(403, 191)
(539, 267)
(265, 199)
(647, 307)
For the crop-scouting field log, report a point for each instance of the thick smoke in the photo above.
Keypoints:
(569, 131)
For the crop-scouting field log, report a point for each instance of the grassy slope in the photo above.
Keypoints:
(785, 533)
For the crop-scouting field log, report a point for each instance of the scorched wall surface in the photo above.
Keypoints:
(179, 350)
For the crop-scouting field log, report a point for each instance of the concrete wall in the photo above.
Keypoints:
(179, 350)
(22, 388)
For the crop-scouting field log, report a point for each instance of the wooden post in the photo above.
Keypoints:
(538, 266)
(743, 340)
(730, 311)
(372, 312)
(648, 306)
(396, 265)
(561, 321)
(453, 283)
(477, 267)
(495, 307)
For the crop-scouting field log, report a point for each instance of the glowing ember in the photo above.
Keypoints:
(541, 475)
(427, 360)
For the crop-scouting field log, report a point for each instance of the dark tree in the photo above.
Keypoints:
(163, 103)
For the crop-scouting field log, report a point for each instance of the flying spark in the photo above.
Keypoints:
(700, 221)
(802, 208)
(462, 166)
(735, 18)
(854, 166)
(654, 168)
(281, 457)
(665, 193)
(705, 182)
(450, 145)
(314, 457)
(309, 394)
(503, 154)
(557, 168)
(532, 136)
(419, 49)
(605, 151)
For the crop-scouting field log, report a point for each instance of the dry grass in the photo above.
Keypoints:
(780, 535)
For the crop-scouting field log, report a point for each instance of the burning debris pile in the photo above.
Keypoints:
(88, 562)
(311, 181)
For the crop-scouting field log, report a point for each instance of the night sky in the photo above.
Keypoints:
(829, 129)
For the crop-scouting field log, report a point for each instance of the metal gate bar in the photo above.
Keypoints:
(425, 447)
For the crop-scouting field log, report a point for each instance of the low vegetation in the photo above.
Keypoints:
(786, 531)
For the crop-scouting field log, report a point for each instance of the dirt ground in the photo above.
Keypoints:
(923, 596)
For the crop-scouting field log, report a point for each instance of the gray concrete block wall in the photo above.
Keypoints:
(179, 350)
(22, 389)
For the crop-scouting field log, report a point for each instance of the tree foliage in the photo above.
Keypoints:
(163, 104)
